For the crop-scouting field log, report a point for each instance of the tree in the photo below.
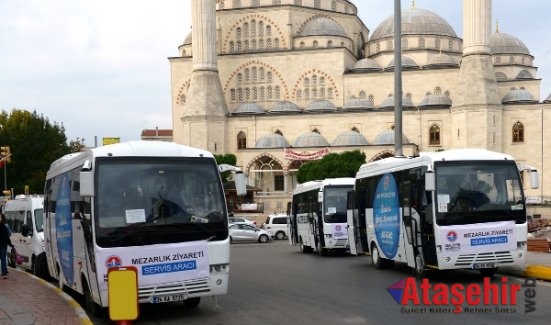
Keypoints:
(34, 143)
(333, 165)
(77, 145)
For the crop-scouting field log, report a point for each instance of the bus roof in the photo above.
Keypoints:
(427, 159)
(125, 149)
(316, 185)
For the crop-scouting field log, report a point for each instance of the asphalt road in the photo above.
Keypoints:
(276, 284)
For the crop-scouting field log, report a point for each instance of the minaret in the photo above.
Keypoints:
(204, 115)
(476, 110)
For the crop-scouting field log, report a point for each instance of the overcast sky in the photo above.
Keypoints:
(100, 67)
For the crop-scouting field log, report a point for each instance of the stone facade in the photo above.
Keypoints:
(319, 56)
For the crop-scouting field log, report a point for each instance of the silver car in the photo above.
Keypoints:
(245, 232)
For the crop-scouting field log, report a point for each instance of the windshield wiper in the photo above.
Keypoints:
(204, 229)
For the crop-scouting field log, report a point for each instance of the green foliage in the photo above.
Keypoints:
(333, 165)
(228, 159)
(34, 143)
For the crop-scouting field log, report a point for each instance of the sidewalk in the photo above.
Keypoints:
(26, 299)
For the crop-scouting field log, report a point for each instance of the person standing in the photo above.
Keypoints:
(4, 243)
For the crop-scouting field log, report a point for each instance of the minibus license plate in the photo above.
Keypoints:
(477, 266)
(169, 298)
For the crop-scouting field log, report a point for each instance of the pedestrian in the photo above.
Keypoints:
(4, 220)
(4, 243)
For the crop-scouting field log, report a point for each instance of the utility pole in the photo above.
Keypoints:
(398, 148)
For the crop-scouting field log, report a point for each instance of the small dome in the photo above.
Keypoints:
(507, 44)
(273, 140)
(441, 60)
(311, 139)
(436, 100)
(285, 106)
(366, 65)
(350, 138)
(387, 137)
(320, 105)
(415, 22)
(249, 108)
(548, 99)
(518, 96)
(358, 104)
(407, 63)
(187, 41)
(389, 102)
(322, 26)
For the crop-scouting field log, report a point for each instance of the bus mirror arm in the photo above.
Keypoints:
(430, 181)
(238, 177)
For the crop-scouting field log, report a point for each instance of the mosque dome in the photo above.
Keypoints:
(358, 104)
(249, 108)
(502, 43)
(320, 105)
(322, 26)
(548, 99)
(366, 65)
(273, 140)
(187, 41)
(415, 22)
(350, 138)
(436, 100)
(284, 106)
(389, 102)
(311, 139)
(387, 137)
(407, 63)
(441, 60)
(515, 96)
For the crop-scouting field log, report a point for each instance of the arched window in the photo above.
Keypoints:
(334, 5)
(434, 136)
(518, 132)
(241, 140)
(238, 32)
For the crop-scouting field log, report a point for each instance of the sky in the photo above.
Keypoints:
(100, 67)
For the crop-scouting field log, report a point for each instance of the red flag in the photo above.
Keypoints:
(2, 163)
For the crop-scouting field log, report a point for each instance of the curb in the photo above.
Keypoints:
(85, 320)
(538, 272)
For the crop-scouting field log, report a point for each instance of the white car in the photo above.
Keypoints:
(276, 224)
(233, 220)
(244, 232)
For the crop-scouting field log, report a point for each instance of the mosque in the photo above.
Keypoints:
(281, 82)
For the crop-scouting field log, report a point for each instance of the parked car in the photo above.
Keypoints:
(245, 232)
(276, 224)
(241, 220)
